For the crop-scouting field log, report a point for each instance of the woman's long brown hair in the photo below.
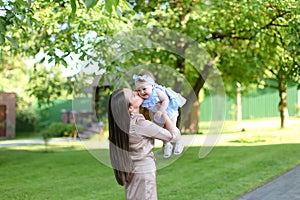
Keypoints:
(119, 122)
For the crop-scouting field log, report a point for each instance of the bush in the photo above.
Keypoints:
(59, 129)
(26, 120)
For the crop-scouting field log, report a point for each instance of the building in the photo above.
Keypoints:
(7, 115)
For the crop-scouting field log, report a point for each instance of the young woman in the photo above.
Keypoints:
(131, 144)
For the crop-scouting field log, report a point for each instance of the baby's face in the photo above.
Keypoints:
(144, 91)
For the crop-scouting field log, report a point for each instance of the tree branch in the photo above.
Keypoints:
(272, 71)
(191, 98)
(279, 25)
(218, 35)
(204, 74)
(271, 23)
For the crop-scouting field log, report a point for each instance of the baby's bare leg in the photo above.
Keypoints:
(168, 147)
(179, 144)
(174, 122)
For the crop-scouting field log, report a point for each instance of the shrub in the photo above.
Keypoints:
(26, 120)
(59, 129)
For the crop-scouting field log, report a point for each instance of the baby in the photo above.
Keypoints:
(159, 99)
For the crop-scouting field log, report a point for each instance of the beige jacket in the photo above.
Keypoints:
(141, 141)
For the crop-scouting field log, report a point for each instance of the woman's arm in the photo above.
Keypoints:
(150, 129)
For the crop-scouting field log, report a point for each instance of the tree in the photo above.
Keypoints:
(256, 41)
(56, 33)
(13, 76)
(259, 38)
(28, 27)
(246, 34)
(46, 85)
(175, 15)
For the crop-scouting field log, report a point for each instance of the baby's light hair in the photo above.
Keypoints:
(142, 73)
(144, 77)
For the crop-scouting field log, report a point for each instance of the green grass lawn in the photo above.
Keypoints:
(69, 171)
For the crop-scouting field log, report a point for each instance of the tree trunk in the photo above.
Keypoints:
(238, 103)
(190, 111)
(282, 107)
(190, 122)
(298, 105)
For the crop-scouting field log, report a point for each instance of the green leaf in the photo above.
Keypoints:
(290, 46)
(28, 22)
(108, 6)
(90, 3)
(2, 26)
(1, 39)
(74, 7)
(13, 42)
(42, 60)
(64, 63)
(116, 2)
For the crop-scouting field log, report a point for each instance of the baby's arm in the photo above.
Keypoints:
(164, 103)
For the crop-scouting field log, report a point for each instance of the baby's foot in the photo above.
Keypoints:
(178, 148)
(168, 150)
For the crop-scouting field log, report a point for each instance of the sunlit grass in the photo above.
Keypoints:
(255, 124)
(71, 173)
(256, 132)
(241, 161)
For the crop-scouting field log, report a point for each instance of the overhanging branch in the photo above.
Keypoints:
(233, 35)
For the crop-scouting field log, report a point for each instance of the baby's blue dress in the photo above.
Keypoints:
(176, 101)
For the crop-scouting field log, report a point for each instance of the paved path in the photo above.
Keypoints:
(187, 139)
(21, 142)
(284, 187)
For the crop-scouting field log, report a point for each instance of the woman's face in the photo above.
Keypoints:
(134, 99)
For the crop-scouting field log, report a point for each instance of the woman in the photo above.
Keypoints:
(131, 144)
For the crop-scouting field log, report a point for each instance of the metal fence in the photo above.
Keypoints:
(259, 104)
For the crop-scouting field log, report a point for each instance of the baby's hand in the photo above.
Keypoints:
(158, 114)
